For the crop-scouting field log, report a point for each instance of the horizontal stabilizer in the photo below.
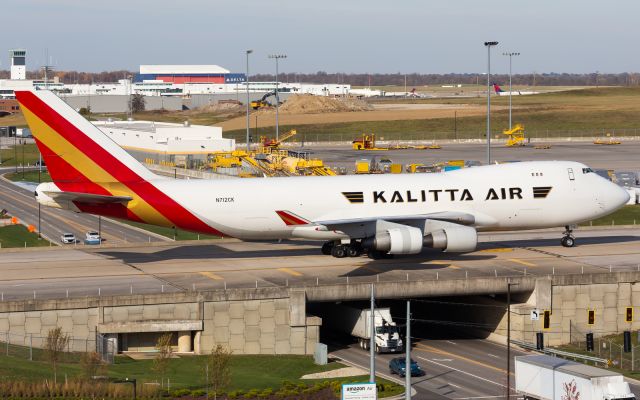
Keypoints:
(88, 197)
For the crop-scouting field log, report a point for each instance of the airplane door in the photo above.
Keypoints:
(571, 175)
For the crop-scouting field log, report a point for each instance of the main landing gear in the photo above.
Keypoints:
(568, 240)
(338, 250)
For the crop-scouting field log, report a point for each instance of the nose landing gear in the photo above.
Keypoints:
(568, 240)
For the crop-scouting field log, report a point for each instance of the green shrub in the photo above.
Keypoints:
(235, 394)
(180, 393)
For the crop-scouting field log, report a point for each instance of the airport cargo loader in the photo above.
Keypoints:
(357, 323)
(549, 378)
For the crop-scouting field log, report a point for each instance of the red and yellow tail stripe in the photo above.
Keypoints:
(77, 163)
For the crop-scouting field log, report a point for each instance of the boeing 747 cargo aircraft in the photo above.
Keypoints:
(380, 215)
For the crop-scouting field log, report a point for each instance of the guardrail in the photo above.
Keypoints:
(561, 353)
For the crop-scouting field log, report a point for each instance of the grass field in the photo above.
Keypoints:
(587, 112)
(29, 176)
(247, 372)
(18, 235)
(22, 154)
(627, 215)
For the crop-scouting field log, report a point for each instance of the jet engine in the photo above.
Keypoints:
(453, 239)
(402, 240)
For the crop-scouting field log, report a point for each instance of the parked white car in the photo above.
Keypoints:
(68, 238)
(92, 237)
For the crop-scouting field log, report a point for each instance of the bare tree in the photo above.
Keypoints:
(218, 369)
(165, 352)
(54, 346)
(137, 103)
(92, 365)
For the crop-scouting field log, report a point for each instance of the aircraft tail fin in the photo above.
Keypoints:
(96, 174)
(78, 155)
(497, 88)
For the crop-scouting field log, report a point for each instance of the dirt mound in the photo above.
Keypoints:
(220, 109)
(310, 104)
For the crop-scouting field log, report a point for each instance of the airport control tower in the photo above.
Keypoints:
(18, 64)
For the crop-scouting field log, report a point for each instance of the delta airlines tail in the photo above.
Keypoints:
(500, 92)
(379, 215)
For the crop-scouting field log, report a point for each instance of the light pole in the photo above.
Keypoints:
(407, 359)
(372, 338)
(277, 57)
(248, 100)
(510, 54)
(488, 45)
(509, 284)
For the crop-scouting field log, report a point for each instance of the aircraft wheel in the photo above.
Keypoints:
(339, 251)
(354, 250)
(568, 241)
(327, 247)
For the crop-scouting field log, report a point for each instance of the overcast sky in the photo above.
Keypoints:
(349, 36)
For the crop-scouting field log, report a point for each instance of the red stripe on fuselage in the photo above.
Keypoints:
(165, 205)
(65, 176)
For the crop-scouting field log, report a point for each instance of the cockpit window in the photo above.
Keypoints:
(587, 170)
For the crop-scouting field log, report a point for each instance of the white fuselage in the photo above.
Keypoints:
(500, 197)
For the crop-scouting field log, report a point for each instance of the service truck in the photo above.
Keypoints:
(357, 323)
(544, 377)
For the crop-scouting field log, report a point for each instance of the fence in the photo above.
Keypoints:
(543, 134)
(32, 347)
(608, 347)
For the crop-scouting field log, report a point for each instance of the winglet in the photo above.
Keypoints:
(290, 218)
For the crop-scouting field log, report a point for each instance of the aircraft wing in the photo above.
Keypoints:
(448, 216)
(368, 226)
(87, 197)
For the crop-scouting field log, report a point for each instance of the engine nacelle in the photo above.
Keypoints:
(458, 239)
(405, 240)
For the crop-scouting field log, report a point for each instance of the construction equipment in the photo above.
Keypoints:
(275, 143)
(263, 101)
(516, 136)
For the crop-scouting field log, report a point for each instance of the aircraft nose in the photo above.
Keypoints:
(616, 197)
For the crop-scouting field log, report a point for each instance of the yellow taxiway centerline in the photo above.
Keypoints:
(447, 263)
(290, 271)
(211, 275)
(528, 264)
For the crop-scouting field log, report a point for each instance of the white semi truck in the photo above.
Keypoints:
(357, 323)
(549, 378)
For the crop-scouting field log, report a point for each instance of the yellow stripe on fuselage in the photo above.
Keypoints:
(96, 174)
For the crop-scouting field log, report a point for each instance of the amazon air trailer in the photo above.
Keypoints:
(549, 378)
(357, 323)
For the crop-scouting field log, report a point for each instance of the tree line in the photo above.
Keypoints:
(397, 79)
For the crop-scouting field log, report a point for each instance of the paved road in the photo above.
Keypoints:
(216, 264)
(19, 201)
(461, 368)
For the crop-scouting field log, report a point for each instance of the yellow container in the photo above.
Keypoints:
(395, 168)
(362, 167)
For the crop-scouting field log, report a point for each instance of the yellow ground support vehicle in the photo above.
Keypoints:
(366, 142)
(516, 136)
(608, 141)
